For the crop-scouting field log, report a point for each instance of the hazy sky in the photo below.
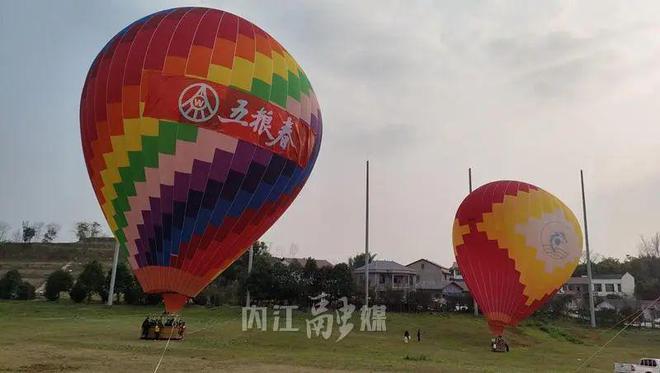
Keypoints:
(531, 91)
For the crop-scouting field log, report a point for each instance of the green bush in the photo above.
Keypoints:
(607, 317)
(9, 284)
(124, 283)
(92, 279)
(133, 295)
(201, 300)
(78, 292)
(57, 282)
(25, 291)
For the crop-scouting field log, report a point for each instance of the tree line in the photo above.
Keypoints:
(645, 267)
(30, 232)
(273, 281)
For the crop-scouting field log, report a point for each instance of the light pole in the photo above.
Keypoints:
(113, 276)
(592, 313)
(366, 245)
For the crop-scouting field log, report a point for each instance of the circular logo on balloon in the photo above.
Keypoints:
(553, 237)
(198, 102)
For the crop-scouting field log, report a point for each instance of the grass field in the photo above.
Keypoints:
(51, 337)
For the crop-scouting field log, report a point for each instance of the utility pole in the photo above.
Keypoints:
(247, 293)
(366, 245)
(475, 306)
(113, 276)
(592, 313)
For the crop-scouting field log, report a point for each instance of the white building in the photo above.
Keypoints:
(386, 274)
(455, 272)
(429, 275)
(437, 280)
(603, 285)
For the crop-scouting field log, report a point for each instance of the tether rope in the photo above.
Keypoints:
(162, 355)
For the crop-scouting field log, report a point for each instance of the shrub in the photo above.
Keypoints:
(57, 282)
(124, 282)
(201, 299)
(25, 291)
(556, 307)
(78, 292)
(607, 317)
(133, 295)
(93, 278)
(9, 284)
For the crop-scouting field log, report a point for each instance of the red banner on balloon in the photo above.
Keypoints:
(232, 112)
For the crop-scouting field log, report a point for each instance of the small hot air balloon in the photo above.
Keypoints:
(198, 131)
(515, 245)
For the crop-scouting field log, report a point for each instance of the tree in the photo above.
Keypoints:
(92, 279)
(341, 279)
(124, 281)
(79, 292)
(9, 284)
(609, 266)
(391, 298)
(650, 246)
(419, 300)
(38, 229)
(285, 280)
(556, 306)
(25, 291)
(4, 232)
(51, 232)
(81, 229)
(28, 232)
(358, 260)
(260, 281)
(94, 229)
(56, 283)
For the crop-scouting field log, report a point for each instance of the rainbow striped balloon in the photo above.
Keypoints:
(198, 130)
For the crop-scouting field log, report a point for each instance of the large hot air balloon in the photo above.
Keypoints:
(198, 130)
(515, 245)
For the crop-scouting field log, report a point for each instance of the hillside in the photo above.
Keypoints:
(36, 261)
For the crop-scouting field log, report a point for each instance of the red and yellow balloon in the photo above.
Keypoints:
(516, 245)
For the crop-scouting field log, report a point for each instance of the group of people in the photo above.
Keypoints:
(498, 344)
(156, 324)
(406, 336)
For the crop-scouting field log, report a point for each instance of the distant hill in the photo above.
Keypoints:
(36, 261)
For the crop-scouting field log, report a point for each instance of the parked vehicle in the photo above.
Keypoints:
(645, 365)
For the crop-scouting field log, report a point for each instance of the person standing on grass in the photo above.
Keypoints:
(145, 328)
(406, 337)
(419, 335)
(157, 329)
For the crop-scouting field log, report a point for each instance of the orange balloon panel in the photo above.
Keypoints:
(515, 245)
